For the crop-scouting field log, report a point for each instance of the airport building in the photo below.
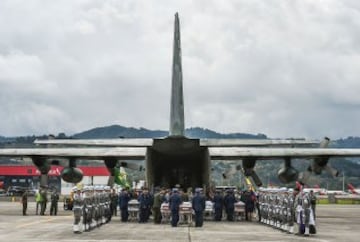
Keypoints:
(29, 176)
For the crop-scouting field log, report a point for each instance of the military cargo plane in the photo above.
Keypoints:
(176, 159)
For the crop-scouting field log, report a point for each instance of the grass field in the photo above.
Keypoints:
(339, 201)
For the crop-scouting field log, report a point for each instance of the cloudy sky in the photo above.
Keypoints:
(278, 67)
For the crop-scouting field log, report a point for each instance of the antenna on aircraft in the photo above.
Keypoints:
(177, 97)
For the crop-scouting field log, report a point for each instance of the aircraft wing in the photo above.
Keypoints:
(256, 142)
(238, 153)
(216, 153)
(203, 142)
(125, 153)
(319, 160)
(98, 142)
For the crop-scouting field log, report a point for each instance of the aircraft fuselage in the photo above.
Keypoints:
(177, 160)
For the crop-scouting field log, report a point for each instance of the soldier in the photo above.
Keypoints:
(257, 205)
(107, 203)
(54, 202)
(308, 216)
(290, 213)
(271, 208)
(312, 198)
(158, 199)
(124, 199)
(174, 204)
(114, 197)
(97, 206)
(263, 205)
(229, 203)
(78, 207)
(277, 209)
(299, 212)
(184, 196)
(24, 201)
(198, 205)
(218, 205)
(87, 209)
(283, 210)
(250, 199)
(94, 207)
(145, 203)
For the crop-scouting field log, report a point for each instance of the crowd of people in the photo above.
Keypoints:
(41, 198)
(92, 203)
(94, 206)
(283, 208)
(280, 208)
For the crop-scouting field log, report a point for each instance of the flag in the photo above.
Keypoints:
(120, 177)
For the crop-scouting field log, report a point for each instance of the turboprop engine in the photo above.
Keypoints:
(71, 173)
(248, 165)
(288, 173)
(317, 165)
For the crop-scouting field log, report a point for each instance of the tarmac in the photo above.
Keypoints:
(334, 223)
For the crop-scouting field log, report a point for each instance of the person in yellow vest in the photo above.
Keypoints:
(38, 200)
(43, 203)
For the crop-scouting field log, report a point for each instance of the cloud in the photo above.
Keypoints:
(283, 68)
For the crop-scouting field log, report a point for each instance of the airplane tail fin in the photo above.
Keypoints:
(177, 126)
(352, 188)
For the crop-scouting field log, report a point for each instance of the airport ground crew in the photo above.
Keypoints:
(24, 201)
(218, 201)
(43, 203)
(198, 205)
(174, 205)
(54, 203)
(38, 200)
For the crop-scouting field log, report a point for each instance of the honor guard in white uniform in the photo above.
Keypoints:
(107, 204)
(290, 211)
(77, 209)
(88, 209)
